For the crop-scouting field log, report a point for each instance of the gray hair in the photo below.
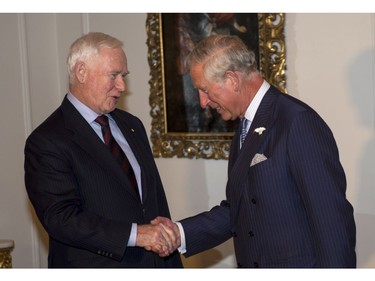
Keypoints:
(220, 53)
(88, 46)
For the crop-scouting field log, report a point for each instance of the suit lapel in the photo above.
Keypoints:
(238, 177)
(130, 134)
(85, 137)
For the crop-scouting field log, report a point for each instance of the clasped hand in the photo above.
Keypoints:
(161, 236)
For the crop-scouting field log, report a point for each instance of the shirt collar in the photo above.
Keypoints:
(87, 113)
(253, 107)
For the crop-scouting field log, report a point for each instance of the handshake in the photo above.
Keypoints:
(161, 236)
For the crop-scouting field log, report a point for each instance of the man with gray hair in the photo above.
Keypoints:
(90, 172)
(285, 203)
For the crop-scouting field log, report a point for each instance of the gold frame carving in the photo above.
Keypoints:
(206, 145)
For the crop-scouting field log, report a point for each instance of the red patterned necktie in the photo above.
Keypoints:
(116, 150)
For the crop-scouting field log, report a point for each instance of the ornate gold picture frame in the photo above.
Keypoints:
(170, 136)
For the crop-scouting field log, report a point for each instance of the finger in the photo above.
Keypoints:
(165, 240)
(171, 238)
(158, 249)
(167, 222)
(174, 234)
(155, 221)
(169, 230)
(163, 252)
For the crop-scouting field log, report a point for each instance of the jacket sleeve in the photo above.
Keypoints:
(315, 165)
(207, 230)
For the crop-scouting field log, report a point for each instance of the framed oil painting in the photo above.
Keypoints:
(180, 127)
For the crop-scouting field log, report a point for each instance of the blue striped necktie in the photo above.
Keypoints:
(244, 123)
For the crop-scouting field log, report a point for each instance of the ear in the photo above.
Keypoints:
(233, 79)
(80, 71)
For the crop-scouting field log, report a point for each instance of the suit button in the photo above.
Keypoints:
(254, 201)
(256, 265)
(234, 234)
(251, 234)
(239, 265)
(99, 252)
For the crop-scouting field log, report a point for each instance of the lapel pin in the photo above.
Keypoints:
(259, 130)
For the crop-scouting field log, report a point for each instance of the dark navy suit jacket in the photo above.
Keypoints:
(83, 198)
(289, 210)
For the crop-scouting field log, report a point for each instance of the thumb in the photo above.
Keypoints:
(155, 221)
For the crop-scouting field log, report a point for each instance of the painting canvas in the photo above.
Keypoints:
(181, 32)
(180, 127)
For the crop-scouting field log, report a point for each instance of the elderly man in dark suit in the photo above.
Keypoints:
(286, 205)
(90, 173)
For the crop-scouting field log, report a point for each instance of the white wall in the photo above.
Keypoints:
(330, 61)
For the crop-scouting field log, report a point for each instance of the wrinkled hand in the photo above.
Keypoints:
(157, 238)
(172, 230)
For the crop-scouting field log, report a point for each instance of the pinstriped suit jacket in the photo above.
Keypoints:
(289, 210)
(82, 197)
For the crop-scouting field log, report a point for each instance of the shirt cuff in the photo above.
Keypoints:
(182, 248)
(133, 235)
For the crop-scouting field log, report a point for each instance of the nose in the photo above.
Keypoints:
(120, 83)
(203, 99)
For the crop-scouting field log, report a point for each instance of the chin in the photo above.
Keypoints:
(111, 107)
(226, 118)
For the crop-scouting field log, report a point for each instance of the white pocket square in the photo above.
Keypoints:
(257, 159)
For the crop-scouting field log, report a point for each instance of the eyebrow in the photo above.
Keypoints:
(125, 73)
(203, 89)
